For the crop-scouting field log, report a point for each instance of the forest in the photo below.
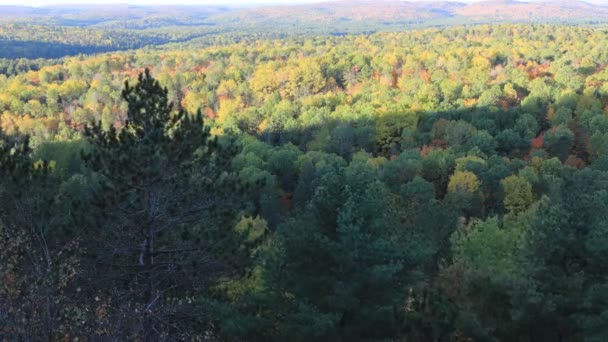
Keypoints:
(56, 31)
(429, 184)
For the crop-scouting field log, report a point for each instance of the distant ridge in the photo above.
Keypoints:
(118, 10)
(330, 12)
(520, 10)
(394, 10)
(358, 10)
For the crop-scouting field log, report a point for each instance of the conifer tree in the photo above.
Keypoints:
(161, 222)
(340, 267)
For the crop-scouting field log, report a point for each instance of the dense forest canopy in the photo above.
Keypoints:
(57, 31)
(443, 183)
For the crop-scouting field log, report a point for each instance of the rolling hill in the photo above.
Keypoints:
(56, 31)
(395, 11)
(545, 10)
(329, 12)
(361, 10)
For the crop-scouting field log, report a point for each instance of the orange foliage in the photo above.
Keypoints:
(183, 102)
(425, 75)
(504, 104)
(470, 102)
(538, 142)
(210, 113)
(545, 68)
(354, 89)
(535, 70)
(425, 150)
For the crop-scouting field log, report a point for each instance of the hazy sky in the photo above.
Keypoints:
(155, 2)
(189, 2)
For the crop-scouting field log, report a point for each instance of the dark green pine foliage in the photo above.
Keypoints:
(565, 263)
(37, 259)
(338, 269)
(162, 223)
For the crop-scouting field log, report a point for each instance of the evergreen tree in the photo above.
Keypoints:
(338, 268)
(160, 227)
(564, 261)
(38, 265)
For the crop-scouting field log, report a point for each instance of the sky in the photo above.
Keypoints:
(187, 2)
(155, 2)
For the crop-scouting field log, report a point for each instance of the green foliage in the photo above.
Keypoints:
(518, 193)
(488, 247)
(38, 262)
(435, 185)
(562, 260)
(341, 262)
(158, 218)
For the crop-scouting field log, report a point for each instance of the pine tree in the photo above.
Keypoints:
(160, 225)
(339, 267)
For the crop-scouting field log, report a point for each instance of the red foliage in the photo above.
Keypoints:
(210, 113)
(538, 142)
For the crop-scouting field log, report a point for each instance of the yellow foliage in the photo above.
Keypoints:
(252, 228)
(465, 182)
(510, 92)
(227, 88)
(228, 108)
(40, 163)
(215, 131)
(192, 102)
(481, 62)
(470, 102)
(263, 80)
(263, 125)
(7, 122)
